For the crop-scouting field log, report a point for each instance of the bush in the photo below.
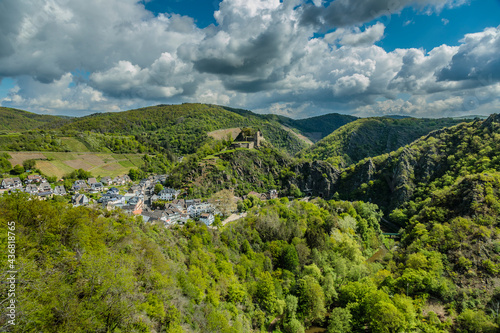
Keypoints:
(475, 321)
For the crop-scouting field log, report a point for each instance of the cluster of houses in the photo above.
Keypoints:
(34, 185)
(138, 199)
(178, 211)
(39, 186)
(94, 186)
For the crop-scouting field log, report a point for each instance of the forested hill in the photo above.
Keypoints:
(444, 190)
(182, 128)
(321, 126)
(436, 161)
(19, 120)
(370, 137)
(191, 122)
(315, 128)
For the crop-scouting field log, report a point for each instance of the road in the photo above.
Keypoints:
(234, 217)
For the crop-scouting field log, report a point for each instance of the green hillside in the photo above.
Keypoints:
(461, 222)
(178, 129)
(182, 128)
(19, 120)
(59, 164)
(319, 127)
(370, 137)
(71, 141)
(433, 162)
(242, 170)
(315, 128)
(104, 271)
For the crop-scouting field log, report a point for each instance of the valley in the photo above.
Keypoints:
(364, 224)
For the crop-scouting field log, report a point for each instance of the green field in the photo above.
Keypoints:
(74, 144)
(99, 164)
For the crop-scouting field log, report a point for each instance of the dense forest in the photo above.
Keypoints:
(19, 120)
(286, 266)
(242, 170)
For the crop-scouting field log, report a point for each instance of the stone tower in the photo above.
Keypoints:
(258, 138)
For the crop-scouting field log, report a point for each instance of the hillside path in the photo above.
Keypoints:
(234, 217)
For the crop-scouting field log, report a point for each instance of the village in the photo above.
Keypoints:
(146, 198)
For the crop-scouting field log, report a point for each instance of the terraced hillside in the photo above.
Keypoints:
(59, 164)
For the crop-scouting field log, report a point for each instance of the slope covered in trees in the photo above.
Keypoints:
(321, 126)
(284, 267)
(182, 129)
(242, 170)
(370, 137)
(91, 270)
(19, 120)
(315, 128)
(432, 162)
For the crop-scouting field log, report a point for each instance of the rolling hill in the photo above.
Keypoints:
(18, 120)
(432, 162)
(182, 128)
(316, 128)
(368, 137)
(190, 123)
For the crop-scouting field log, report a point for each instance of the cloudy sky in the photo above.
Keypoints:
(423, 58)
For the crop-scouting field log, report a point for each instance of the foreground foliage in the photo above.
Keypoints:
(284, 267)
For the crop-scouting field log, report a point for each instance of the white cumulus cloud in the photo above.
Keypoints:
(71, 55)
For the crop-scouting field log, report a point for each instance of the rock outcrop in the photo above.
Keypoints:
(316, 178)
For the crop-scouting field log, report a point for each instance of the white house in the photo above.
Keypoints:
(80, 200)
(197, 209)
(79, 185)
(34, 179)
(168, 194)
(96, 187)
(31, 189)
(44, 187)
(173, 215)
(11, 183)
(107, 180)
(207, 218)
(60, 190)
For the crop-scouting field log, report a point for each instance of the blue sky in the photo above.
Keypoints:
(428, 31)
(201, 11)
(295, 58)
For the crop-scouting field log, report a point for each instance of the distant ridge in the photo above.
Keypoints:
(396, 116)
(368, 137)
(19, 120)
(189, 118)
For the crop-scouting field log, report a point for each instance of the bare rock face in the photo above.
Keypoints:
(315, 178)
(492, 122)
